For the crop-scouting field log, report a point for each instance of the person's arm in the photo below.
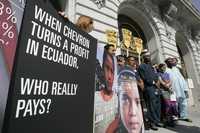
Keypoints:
(62, 14)
(169, 84)
(157, 84)
(163, 83)
(140, 83)
(113, 126)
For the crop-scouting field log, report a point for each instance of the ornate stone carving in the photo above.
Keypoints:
(99, 3)
(196, 39)
(169, 11)
(196, 35)
(111, 36)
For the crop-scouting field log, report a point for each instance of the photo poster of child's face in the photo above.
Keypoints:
(117, 103)
(131, 116)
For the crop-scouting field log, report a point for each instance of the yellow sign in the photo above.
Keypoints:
(111, 37)
(127, 37)
(138, 44)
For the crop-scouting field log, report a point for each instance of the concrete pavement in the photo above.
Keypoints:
(182, 126)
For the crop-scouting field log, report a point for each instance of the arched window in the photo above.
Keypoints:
(130, 30)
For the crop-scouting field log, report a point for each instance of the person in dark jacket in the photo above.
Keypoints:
(151, 92)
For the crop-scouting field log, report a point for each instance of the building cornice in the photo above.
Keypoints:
(191, 8)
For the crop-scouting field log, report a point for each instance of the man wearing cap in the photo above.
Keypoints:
(180, 87)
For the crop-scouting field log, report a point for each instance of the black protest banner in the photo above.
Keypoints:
(52, 86)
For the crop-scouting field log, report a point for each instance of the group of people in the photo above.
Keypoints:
(161, 89)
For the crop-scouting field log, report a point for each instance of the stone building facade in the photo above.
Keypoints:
(168, 28)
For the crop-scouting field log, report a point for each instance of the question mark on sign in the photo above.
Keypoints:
(48, 104)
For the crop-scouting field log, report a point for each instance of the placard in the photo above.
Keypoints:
(52, 85)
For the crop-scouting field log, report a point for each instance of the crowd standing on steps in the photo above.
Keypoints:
(148, 95)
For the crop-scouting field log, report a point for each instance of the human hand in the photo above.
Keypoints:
(62, 13)
(113, 126)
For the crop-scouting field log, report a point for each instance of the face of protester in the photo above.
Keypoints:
(111, 50)
(171, 62)
(130, 108)
(147, 59)
(163, 69)
(109, 71)
(174, 61)
(132, 62)
(121, 61)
